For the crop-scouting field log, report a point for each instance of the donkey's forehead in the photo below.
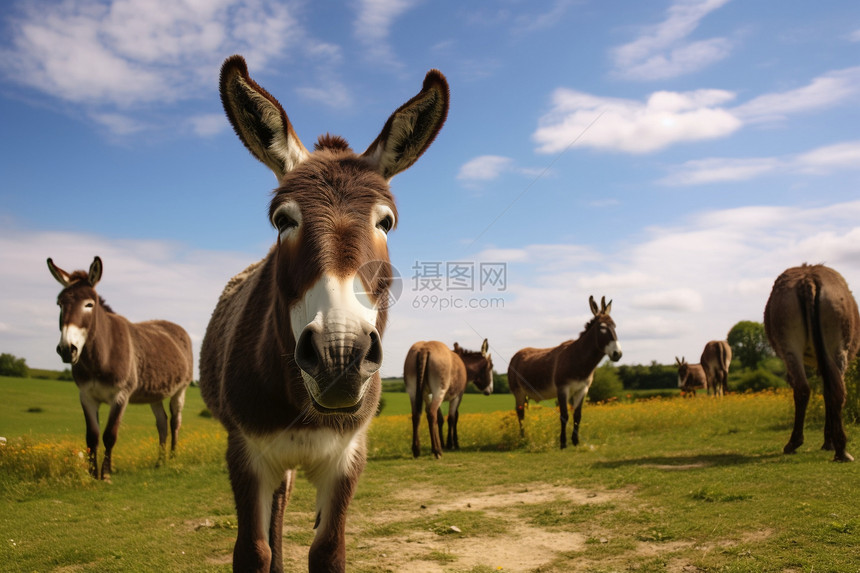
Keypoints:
(78, 290)
(329, 179)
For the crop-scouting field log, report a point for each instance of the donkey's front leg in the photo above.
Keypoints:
(111, 432)
(334, 493)
(276, 525)
(91, 417)
(255, 498)
(578, 399)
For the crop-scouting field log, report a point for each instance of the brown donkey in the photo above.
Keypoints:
(290, 361)
(691, 377)
(117, 362)
(541, 373)
(716, 359)
(811, 319)
(435, 374)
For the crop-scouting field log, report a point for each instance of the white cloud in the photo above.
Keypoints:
(662, 51)
(824, 91)
(373, 26)
(129, 52)
(579, 119)
(118, 124)
(720, 170)
(484, 168)
(832, 157)
(854, 36)
(122, 56)
(665, 118)
(207, 125)
(329, 92)
(677, 299)
(820, 161)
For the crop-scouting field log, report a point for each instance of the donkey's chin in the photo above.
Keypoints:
(339, 397)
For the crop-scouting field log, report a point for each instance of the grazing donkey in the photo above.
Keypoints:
(117, 362)
(811, 319)
(541, 373)
(290, 361)
(691, 377)
(435, 374)
(716, 359)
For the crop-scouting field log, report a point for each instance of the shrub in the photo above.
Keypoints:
(758, 380)
(607, 384)
(653, 376)
(13, 366)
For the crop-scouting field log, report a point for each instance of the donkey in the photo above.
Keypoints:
(811, 319)
(434, 374)
(540, 373)
(691, 377)
(117, 362)
(716, 359)
(290, 360)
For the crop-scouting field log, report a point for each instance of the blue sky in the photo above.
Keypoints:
(674, 156)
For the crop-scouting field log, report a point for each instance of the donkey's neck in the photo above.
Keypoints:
(579, 358)
(106, 342)
(474, 364)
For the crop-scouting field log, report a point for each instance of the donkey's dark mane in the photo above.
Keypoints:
(333, 142)
(590, 323)
(465, 352)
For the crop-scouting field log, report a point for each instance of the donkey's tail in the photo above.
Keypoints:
(422, 359)
(811, 302)
(724, 366)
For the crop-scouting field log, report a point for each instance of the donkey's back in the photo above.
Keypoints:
(164, 358)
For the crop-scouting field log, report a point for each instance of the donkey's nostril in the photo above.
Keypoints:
(307, 352)
(373, 356)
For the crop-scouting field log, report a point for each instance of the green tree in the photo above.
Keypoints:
(13, 366)
(749, 343)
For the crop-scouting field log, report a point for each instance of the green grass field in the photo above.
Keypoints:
(659, 485)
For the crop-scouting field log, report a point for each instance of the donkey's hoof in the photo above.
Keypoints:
(790, 448)
(845, 457)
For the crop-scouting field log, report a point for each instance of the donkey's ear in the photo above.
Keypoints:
(677, 362)
(411, 129)
(607, 308)
(58, 273)
(594, 310)
(95, 274)
(259, 120)
(485, 347)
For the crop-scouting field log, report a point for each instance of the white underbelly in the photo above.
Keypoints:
(97, 392)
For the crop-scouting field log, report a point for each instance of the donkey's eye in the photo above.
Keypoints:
(385, 224)
(89, 304)
(283, 222)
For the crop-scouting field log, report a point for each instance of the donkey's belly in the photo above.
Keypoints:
(98, 391)
(576, 386)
